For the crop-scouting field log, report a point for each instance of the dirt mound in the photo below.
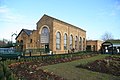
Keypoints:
(32, 70)
(109, 65)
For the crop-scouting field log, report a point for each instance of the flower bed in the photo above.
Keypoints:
(109, 65)
(32, 70)
(5, 72)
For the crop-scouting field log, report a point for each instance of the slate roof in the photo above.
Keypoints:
(28, 32)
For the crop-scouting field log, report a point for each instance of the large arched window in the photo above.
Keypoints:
(84, 48)
(71, 42)
(65, 41)
(58, 41)
(76, 42)
(80, 44)
(45, 31)
(45, 35)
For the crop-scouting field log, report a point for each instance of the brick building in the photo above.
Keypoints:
(52, 34)
(93, 45)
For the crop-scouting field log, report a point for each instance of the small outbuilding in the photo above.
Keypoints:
(93, 45)
(111, 47)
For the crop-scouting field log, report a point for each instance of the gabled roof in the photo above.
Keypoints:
(60, 21)
(28, 32)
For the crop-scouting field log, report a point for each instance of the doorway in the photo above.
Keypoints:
(47, 48)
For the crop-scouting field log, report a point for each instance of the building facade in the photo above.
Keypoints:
(93, 45)
(53, 35)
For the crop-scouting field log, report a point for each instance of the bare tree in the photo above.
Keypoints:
(107, 36)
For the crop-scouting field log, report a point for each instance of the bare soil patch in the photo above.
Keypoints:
(32, 70)
(109, 65)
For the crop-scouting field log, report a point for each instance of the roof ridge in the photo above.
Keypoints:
(62, 21)
(28, 29)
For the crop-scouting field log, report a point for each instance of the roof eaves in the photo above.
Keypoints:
(62, 22)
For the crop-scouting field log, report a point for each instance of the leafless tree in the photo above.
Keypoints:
(107, 36)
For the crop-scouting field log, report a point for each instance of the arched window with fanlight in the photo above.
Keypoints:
(65, 41)
(84, 48)
(80, 44)
(45, 35)
(58, 41)
(76, 42)
(71, 41)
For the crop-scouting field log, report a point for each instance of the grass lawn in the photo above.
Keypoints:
(69, 71)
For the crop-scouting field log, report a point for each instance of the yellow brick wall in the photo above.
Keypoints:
(97, 44)
(69, 30)
(53, 25)
(45, 21)
(23, 37)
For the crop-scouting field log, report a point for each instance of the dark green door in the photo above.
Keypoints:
(46, 48)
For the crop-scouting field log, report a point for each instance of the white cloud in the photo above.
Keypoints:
(3, 9)
(12, 21)
(7, 14)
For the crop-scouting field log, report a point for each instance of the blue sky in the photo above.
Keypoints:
(94, 16)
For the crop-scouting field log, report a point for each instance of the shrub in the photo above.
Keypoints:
(5, 72)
